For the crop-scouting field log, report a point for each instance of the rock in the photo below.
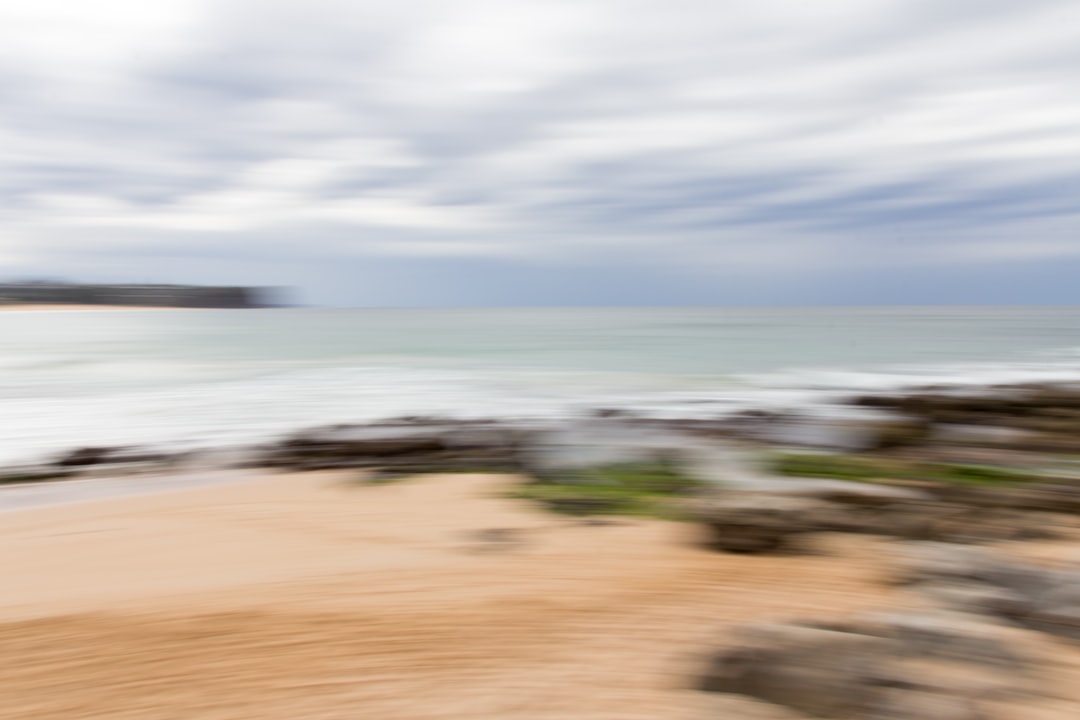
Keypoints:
(757, 522)
(764, 519)
(1039, 598)
(86, 456)
(897, 667)
(1051, 496)
(976, 525)
(1057, 609)
(975, 598)
(1057, 497)
(914, 520)
(1042, 418)
(900, 433)
(114, 456)
(402, 448)
(930, 562)
(954, 636)
(856, 493)
(821, 672)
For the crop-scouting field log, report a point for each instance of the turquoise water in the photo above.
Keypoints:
(206, 377)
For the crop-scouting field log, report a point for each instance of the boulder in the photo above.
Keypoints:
(894, 667)
(757, 522)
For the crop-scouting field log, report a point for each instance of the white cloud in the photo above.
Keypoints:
(767, 136)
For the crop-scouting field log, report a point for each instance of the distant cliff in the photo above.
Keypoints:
(191, 296)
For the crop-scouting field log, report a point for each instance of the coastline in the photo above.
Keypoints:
(340, 571)
(57, 307)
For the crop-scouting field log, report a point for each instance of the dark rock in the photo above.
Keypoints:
(400, 448)
(98, 456)
(757, 522)
(799, 507)
(87, 456)
(1041, 418)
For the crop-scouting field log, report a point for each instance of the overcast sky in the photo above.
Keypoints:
(485, 152)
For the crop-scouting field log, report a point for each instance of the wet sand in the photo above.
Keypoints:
(309, 597)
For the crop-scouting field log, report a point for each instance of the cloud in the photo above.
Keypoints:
(713, 142)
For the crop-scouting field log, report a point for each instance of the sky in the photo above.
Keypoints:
(548, 152)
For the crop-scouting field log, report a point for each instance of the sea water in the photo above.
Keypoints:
(214, 377)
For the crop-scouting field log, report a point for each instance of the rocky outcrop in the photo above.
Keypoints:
(757, 522)
(1050, 496)
(192, 296)
(89, 456)
(977, 580)
(1040, 418)
(778, 519)
(401, 447)
(901, 666)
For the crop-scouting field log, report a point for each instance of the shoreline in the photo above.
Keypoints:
(375, 570)
(983, 420)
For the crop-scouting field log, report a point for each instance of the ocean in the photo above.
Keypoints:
(198, 378)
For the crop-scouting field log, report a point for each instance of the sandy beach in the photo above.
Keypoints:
(305, 596)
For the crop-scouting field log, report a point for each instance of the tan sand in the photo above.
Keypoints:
(301, 597)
